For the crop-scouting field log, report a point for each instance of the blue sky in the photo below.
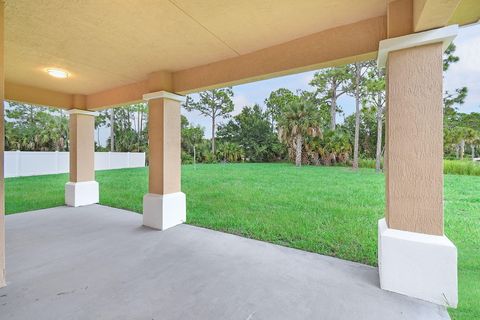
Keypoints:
(464, 73)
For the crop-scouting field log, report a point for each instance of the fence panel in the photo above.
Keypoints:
(101, 161)
(33, 163)
(137, 159)
(118, 160)
(63, 162)
(37, 163)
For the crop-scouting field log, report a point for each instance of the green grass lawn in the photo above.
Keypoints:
(328, 210)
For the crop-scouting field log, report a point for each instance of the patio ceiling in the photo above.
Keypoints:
(109, 48)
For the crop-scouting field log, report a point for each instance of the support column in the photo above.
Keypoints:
(164, 206)
(2, 147)
(82, 189)
(415, 257)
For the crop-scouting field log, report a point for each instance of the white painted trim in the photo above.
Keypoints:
(165, 95)
(418, 265)
(85, 112)
(164, 211)
(444, 35)
(81, 193)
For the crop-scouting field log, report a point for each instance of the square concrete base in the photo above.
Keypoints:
(164, 211)
(81, 193)
(418, 265)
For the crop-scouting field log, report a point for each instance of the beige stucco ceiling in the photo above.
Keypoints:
(108, 43)
(468, 11)
(251, 25)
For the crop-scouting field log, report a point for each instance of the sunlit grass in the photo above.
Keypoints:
(328, 210)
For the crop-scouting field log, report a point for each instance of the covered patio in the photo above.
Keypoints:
(98, 262)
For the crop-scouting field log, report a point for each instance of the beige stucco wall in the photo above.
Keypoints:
(164, 146)
(414, 140)
(2, 147)
(82, 148)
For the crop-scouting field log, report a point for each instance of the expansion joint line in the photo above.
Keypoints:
(204, 27)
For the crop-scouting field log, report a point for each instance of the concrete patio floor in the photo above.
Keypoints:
(97, 262)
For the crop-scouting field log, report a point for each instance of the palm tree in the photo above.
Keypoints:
(473, 144)
(452, 138)
(466, 136)
(472, 137)
(336, 146)
(314, 148)
(230, 152)
(300, 119)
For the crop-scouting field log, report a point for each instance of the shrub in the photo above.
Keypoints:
(463, 167)
(186, 158)
(460, 167)
(368, 163)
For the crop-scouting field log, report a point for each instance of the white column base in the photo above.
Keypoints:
(81, 193)
(418, 265)
(164, 211)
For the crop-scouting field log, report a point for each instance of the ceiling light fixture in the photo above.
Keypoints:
(57, 73)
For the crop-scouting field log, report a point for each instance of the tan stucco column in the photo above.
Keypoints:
(164, 205)
(415, 257)
(2, 147)
(82, 189)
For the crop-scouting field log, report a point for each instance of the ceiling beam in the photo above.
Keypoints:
(129, 93)
(399, 18)
(38, 96)
(344, 43)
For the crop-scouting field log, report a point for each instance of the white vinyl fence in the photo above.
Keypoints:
(34, 163)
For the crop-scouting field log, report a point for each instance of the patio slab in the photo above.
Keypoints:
(97, 262)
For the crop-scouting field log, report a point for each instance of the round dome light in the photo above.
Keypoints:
(57, 73)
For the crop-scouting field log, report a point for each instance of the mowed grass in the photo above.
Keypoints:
(328, 210)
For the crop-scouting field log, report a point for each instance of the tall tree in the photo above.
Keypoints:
(191, 136)
(375, 96)
(277, 102)
(141, 110)
(358, 70)
(100, 121)
(451, 99)
(34, 128)
(112, 129)
(301, 118)
(215, 104)
(125, 132)
(468, 135)
(251, 130)
(330, 84)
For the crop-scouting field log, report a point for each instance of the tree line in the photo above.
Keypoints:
(300, 126)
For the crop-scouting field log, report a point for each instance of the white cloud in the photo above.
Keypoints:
(240, 101)
(466, 72)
